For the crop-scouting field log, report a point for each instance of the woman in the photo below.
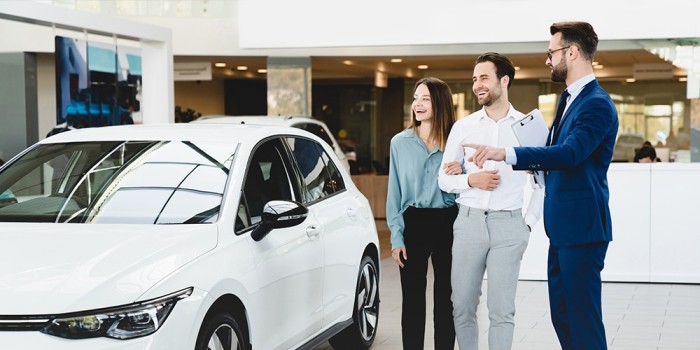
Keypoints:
(420, 215)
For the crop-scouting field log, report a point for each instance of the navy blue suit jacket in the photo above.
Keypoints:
(576, 207)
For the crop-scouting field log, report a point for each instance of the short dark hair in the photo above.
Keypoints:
(504, 67)
(645, 152)
(580, 34)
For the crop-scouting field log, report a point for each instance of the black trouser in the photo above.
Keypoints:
(427, 235)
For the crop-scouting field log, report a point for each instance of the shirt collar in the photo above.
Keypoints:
(575, 88)
(512, 114)
(410, 133)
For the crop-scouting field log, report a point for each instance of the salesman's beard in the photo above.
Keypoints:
(559, 72)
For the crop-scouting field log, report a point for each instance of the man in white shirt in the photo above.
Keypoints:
(490, 233)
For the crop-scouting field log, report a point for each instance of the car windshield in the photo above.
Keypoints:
(117, 182)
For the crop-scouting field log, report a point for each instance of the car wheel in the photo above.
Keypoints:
(365, 316)
(221, 332)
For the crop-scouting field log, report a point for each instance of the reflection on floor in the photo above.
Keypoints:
(638, 316)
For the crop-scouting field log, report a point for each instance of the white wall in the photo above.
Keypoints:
(322, 23)
(656, 226)
(406, 27)
(415, 27)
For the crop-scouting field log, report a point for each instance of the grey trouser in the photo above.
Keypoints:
(491, 241)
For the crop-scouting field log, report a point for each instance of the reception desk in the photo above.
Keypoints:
(656, 226)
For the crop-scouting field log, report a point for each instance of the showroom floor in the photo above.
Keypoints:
(638, 316)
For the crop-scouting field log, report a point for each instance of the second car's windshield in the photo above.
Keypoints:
(144, 182)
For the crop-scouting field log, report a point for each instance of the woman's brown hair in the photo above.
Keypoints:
(443, 110)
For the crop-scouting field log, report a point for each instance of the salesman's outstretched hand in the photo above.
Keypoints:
(484, 153)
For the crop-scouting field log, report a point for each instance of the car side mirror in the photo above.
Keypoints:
(279, 214)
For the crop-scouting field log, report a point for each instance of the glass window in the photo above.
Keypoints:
(320, 177)
(317, 130)
(159, 182)
(267, 179)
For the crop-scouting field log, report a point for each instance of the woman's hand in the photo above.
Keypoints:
(399, 255)
(452, 168)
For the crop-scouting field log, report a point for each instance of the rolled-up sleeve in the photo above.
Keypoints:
(454, 152)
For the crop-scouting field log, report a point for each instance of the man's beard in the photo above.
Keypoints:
(559, 72)
(490, 98)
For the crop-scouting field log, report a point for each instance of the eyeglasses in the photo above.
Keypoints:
(549, 53)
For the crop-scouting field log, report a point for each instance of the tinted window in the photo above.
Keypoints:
(267, 179)
(158, 182)
(317, 130)
(319, 175)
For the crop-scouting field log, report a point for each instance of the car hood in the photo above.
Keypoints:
(58, 268)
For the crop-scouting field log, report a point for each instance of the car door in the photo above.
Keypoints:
(289, 261)
(339, 221)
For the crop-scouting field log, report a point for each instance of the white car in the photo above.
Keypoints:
(309, 124)
(185, 237)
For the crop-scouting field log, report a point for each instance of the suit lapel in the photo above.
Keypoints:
(583, 95)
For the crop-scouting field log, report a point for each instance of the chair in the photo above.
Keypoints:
(277, 185)
(254, 190)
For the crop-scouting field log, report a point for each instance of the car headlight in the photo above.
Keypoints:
(121, 322)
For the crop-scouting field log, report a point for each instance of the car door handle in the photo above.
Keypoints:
(313, 231)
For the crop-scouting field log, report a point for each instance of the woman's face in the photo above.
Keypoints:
(422, 104)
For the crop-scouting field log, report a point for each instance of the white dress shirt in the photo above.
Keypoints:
(478, 128)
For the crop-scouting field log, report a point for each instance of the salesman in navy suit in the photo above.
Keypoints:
(575, 160)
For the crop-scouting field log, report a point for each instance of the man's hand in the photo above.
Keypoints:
(452, 168)
(487, 180)
(484, 153)
(399, 255)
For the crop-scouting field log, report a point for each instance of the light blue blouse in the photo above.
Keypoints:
(413, 172)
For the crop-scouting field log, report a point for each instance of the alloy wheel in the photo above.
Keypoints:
(224, 338)
(368, 302)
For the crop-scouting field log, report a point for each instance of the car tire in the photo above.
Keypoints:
(221, 332)
(365, 316)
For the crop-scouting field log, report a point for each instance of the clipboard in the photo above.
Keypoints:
(531, 131)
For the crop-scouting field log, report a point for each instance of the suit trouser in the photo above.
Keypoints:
(491, 241)
(575, 289)
(427, 235)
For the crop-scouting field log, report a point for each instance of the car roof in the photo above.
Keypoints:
(185, 132)
(256, 119)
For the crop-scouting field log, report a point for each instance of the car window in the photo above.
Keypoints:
(317, 130)
(267, 178)
(116, 182)
(320, 177)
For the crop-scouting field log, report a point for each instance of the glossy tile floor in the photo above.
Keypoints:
(637, 316)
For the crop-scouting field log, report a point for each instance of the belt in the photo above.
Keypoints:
(495, 213)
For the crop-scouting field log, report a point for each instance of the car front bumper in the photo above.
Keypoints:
(179, 331)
